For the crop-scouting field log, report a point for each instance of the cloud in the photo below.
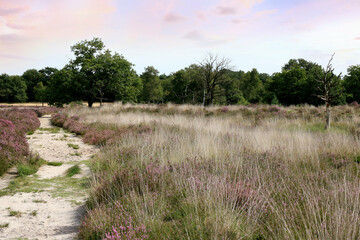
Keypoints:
(194, 35)
(172, 17)
(235, 7)
(222, 10)
(204, 39)
(357, 38)
(12, 11)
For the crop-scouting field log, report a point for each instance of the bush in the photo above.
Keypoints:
(14, 124)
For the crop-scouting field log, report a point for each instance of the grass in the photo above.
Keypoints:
(39, 201)
(76, 154)
(51, 130)
(257, 172)
(30, 167)
(73, 171)
(33, 213)
(74, 146)
(14, 213)
(55, 163)
(4, 225)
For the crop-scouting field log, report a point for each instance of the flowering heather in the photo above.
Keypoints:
(14, 124)
(111, 223)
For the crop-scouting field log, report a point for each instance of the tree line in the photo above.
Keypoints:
(98, 75)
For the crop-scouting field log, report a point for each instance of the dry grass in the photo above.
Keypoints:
(230, 172)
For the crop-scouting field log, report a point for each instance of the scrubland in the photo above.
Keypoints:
(255, 172)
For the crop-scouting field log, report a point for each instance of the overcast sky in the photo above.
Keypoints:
(172, 34)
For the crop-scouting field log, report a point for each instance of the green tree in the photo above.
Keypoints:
(101, 75)
(12, 89)
(40, 93)
(352, 83)
(296, 84)
(252, 87)
(31, 77)
(62, 88)
(152, 89)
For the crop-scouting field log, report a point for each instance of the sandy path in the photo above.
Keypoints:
(48, 205)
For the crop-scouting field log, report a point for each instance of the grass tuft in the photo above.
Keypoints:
(74, 146)
(73, 171)
(55, 163)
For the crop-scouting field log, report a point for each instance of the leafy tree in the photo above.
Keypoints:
(102, 75)
(62, 89)
(12, 89)
(152, 90)
(352, 83)
(46, 74)
(31, 77)
(213, 73)
(40, 93)
(330, 87)
(296, 84)
(252, 87)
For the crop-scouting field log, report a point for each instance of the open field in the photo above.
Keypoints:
(257, 172)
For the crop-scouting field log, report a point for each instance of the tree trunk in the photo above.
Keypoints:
(90, 103)
(328, 116)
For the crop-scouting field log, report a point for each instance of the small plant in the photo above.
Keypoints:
(26, 169)
(14, 213)
(33, 213)
(76, 154)
(5, 225)
(55, 163)
(74, 146)
(39, 201)
(51, 130)
(73, 171)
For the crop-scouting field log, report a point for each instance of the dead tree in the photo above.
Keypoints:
(213, 70)
(330, 89)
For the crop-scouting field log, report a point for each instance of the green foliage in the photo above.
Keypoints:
(101, 75)
(26, 169)
(55, 164)
(12, 89)
(31, 77)
(152, 89)
(40, 92)
(62, 89)
(73, 171)
(74, 146)
(352, 83)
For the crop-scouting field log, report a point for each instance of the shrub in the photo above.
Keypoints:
(111, 223)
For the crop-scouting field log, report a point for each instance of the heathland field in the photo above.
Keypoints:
(255, 172)
(232, 172)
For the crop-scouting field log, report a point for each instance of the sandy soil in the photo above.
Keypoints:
(48, 205)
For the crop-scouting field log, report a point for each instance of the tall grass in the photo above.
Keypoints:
(258, 172)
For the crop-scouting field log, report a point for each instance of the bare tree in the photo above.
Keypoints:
(213, 70)
(330, 89)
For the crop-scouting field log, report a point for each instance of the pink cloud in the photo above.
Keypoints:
(11, 11)
(172, 17)
(222, 10)
(357, 38)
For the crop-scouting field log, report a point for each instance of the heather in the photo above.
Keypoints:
(254, 172)
(14, 124)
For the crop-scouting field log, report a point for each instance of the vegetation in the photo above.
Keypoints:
(14, 124)
(73, 171)
(98, 75)
(254, 172)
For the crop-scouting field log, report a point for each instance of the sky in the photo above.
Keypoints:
(172, 34)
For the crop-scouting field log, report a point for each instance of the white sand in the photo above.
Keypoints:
(56, 217)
